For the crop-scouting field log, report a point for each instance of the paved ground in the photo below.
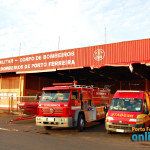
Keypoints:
(93, 135)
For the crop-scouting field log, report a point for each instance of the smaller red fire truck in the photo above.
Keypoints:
(71, 105)
(128, 112)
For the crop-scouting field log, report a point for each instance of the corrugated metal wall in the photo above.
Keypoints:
(121, 53)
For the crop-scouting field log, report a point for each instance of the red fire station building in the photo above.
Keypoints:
(123, 65)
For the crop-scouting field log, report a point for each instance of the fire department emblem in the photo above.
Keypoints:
(99, 54)
(51, 111)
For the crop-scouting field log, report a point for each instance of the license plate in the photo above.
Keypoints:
(50, 119)
(119, 130)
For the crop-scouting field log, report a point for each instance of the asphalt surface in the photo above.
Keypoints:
(22, 135)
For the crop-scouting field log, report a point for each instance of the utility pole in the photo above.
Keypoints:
(12, 52)
(58, 41)
(105, 35)
(19, 48)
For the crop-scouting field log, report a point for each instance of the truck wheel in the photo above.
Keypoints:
(47, 127)
(81, 123)
(102, 120)
(108, 132)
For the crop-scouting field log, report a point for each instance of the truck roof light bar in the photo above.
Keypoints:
(63, 84)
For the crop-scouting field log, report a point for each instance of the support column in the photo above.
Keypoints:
(0, 81)
(147, 85)
(120, 85)
(22, 85)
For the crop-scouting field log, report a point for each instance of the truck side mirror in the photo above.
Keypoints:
(146, 111)
(80, 96)
(105, 109)
(37, 97)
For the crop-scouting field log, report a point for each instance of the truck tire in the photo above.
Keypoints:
(81, 123)
(108, 132)
(102, 120)
(47, 127)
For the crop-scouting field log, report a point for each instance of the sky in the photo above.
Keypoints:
(38, 26)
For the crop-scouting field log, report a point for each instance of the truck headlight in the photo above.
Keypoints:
(109, 118)
(38, 118)
(136, 120)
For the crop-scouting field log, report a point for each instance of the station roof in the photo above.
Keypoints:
(128, 53)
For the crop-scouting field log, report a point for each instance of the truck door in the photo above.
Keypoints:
(75, 102)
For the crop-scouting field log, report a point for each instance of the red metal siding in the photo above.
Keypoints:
(110, 54)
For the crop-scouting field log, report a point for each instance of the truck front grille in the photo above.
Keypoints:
(52, 110)
(118, 126)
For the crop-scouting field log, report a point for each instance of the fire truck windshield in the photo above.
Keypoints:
(126, 104)
(55, 96)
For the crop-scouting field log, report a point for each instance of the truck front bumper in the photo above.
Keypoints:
(123, 128)
(54, 121)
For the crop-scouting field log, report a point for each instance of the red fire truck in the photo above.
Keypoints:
(71, 105)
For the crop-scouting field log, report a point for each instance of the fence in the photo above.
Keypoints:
(9, 104)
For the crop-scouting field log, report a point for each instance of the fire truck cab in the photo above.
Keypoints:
(71, 105)
(128, 112)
